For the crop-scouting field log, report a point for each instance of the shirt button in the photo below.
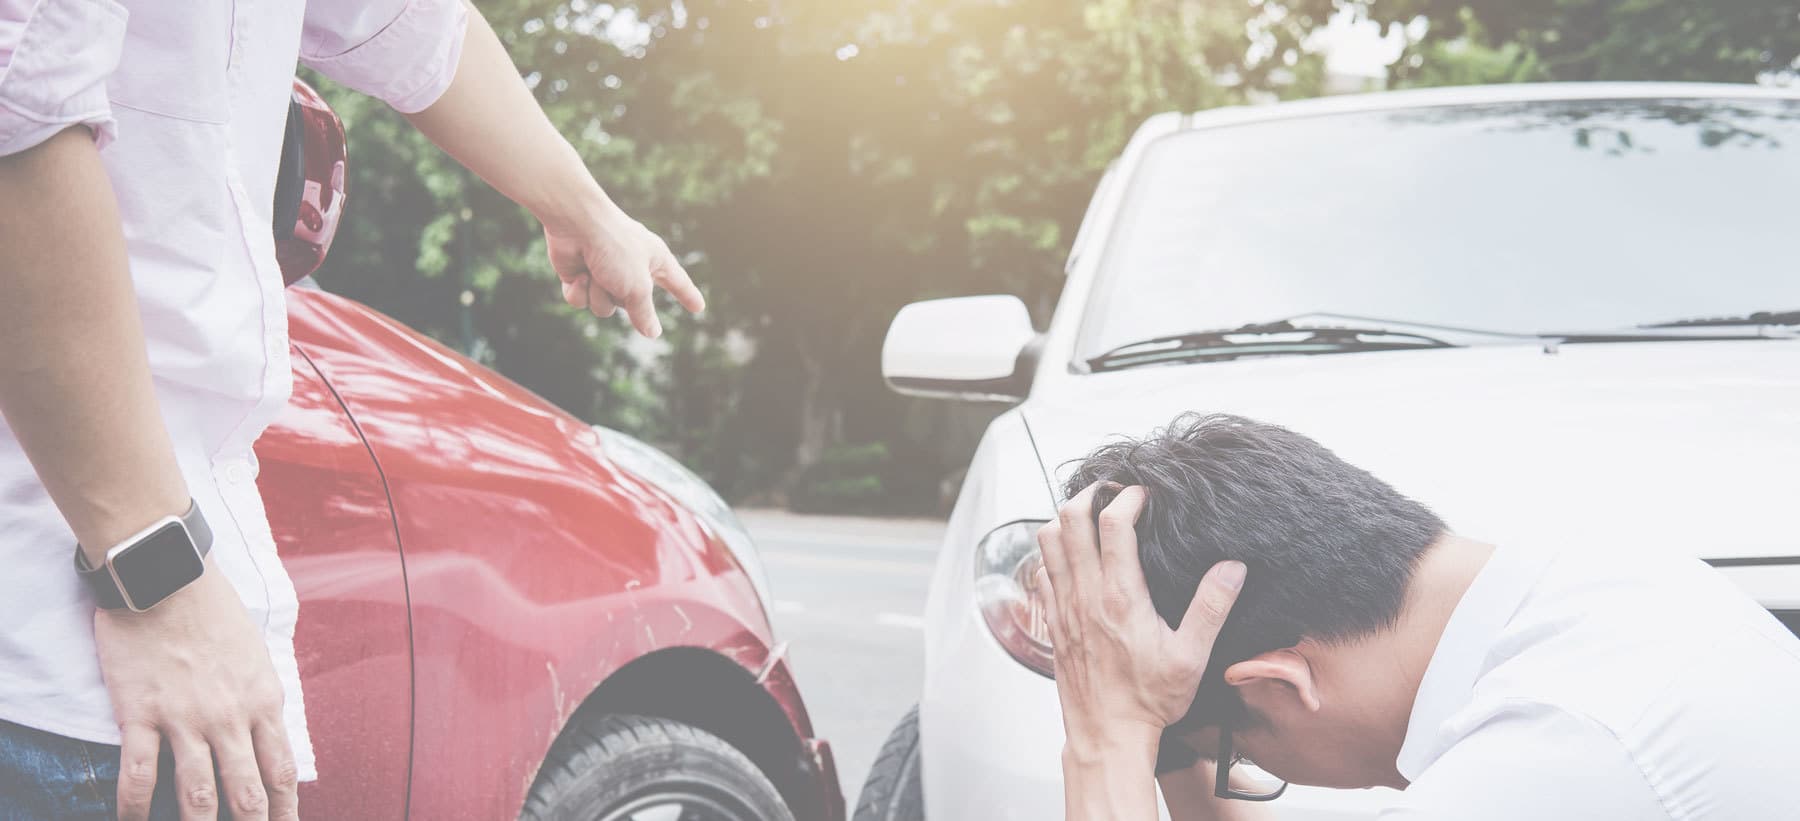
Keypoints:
(237, 473)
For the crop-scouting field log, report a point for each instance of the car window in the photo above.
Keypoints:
(1521, 217)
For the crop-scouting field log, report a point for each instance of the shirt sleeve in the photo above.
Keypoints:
(402, 52)
(1532, 761)
(55, 58)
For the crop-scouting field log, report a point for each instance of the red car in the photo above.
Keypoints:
(505, 612)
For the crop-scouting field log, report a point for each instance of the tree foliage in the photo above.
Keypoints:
(819, 163)
(1581, 40)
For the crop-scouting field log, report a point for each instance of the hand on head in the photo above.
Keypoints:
(1122, 674)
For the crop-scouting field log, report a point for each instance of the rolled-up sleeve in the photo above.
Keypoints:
(402, 52)
(55, 58)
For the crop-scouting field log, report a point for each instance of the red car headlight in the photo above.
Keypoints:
(1006, 565)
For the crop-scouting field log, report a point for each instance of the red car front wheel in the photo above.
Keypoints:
(638, 768)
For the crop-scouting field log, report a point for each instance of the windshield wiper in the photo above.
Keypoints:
(1279, 338)
(1758, 318)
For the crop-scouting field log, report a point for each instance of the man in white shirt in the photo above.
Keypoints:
(1247, 593)
(143, 348)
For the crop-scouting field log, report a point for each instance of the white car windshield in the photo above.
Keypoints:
(1537, 217)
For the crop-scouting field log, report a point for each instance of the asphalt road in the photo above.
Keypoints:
(848, 597)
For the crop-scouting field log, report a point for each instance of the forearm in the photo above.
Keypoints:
(75, 381)
(1109, 781)
(488, 120)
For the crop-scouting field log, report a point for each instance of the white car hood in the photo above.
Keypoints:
(1693, 446)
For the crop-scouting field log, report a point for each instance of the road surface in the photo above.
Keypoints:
(848, 596)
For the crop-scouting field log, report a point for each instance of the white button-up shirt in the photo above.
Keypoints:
(1604, 684)
(188, 102)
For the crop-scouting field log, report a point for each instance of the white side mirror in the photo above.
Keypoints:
(962, 348)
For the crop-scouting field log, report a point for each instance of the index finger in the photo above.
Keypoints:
(1213, 600)
(1118, 537)
(1075, 531)
(673, 278)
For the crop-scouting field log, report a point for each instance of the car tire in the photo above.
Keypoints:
(625, 767)
(895, 790)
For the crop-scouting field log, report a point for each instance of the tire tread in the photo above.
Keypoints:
(593, 743)
(894, 789)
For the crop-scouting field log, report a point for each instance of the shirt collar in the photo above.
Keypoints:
(1462, 650)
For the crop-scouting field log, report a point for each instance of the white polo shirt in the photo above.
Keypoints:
(1608, 684)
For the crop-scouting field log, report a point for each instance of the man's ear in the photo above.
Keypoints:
(1278, 674)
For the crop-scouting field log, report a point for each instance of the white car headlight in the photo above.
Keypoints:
(691, 492)
(1006, 565)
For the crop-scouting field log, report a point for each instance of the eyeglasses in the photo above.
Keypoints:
(1229, 758)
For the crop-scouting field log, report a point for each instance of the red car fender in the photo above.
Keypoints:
(535, 568)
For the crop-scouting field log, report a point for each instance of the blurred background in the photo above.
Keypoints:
(819, 163)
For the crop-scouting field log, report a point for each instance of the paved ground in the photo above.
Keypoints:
(848, 594)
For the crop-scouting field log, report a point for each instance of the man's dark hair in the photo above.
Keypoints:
(1329, 548)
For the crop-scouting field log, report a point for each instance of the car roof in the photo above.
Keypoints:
(1479, 95)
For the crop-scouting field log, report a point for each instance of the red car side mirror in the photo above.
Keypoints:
(309, 188)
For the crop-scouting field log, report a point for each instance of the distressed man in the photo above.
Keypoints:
(1229, 588)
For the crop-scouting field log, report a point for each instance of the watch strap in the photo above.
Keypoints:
(107, 595)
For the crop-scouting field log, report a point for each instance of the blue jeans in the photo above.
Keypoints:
(49, 777)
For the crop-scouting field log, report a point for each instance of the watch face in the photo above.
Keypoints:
(158, 565)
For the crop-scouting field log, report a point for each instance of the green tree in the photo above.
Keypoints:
(950, 148)
(669, 136)
(1468, 59)
(1675, 40)
(819, 163)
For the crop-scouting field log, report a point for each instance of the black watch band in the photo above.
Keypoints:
(165, 557)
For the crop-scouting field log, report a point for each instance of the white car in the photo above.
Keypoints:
(1559, 311)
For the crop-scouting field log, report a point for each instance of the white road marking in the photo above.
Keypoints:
(905, 620)
(847, 562)
(877, 544)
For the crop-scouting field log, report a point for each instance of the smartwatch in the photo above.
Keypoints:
(143, 570)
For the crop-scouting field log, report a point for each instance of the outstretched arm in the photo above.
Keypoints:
(488, 120)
